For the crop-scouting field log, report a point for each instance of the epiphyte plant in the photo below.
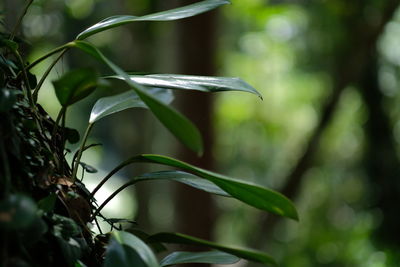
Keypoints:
(44, 204)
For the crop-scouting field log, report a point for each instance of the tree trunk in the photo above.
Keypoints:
(197, 47)
(380, 159)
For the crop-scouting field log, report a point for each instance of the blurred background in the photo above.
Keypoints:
(327, 133)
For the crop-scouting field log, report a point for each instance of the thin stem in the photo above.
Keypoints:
(52, 52)
(115, 170)
(98, 225)
(111, 197)
(26, 80)
(80, 151)
(47, 72)
(59, 116)
(14, 32)
(63, 139)
(84, 149)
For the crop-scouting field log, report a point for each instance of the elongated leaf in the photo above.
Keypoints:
(109, 105)
(247, 254)
(191, 82)
(178, 124)
(122, 256)
(118, 253)
(253, 195)
(173, 14)
(211, 257)
(185, 178)
(75, 85)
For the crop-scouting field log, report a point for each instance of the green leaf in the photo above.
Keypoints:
(253, 195)
(155, 246)
(109, 105)
(118, 253)
(75, 85)
(173, 14)
(80, 264)
(185, 178)
(10, 44)
(88, 168)
(17, 212)
(191, 82)
(121, 256)
(247, 254)
(70, 249)
(47, 204)
(72, 135)
(211, 257)
(178, 124)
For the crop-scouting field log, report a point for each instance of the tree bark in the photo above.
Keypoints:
(196, 52)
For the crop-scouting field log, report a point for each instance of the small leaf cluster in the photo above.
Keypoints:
(43, 204)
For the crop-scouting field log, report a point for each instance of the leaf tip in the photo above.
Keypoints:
(296, 216)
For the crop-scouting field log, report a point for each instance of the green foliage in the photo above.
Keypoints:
(191, 82)
(75, 85)
(177, 238)
(215, 257)
(253, 195)
(44, 203)
(173, 14)
(128, 250)
(109, 105)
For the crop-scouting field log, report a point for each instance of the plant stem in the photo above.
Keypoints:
(47, 72)
(59, 116)
(105, 179)
(111, 197)
(80, 151)
(52, 52)
(14, 32)
(61, 155)
(26, 80)
(98, 225)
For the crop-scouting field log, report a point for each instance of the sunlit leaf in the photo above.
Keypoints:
(80, 264)
(109, 105)
(175, 122)
(185, 178)
(211, 257)
(173, 14)
(75, 85)
(191, 82)
(253, 195)
(126, 249)
(247, 254)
